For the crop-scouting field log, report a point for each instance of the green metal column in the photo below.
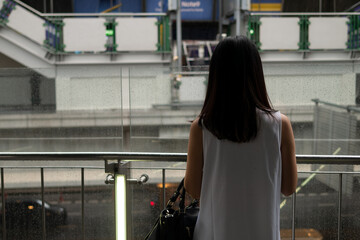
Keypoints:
(7, 7)
(304, 33)
(54, 35)
(163, 44)
(254, 30)
(110, 45)
(60, 46)
(167, 34)
(353, 32)
(160, 26)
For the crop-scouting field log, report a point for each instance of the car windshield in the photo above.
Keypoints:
(45, 203)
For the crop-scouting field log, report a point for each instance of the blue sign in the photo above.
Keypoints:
(196, 10)
(91, 6)
(266, 1)
(130, 6)
(156, 6)
(191, 10)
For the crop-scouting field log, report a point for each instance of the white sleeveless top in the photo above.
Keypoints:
(241, 186)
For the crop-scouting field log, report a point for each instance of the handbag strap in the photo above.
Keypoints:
(176, 194)
(180, 191)
(182, 200)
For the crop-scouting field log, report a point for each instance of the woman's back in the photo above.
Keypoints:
(241, 185)
(244, 154)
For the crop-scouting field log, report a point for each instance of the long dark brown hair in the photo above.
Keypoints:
(236, 87)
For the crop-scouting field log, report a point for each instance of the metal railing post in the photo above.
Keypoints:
(237, 15)
(163, 188)
(43, 216)
(179, 35)
(3, 204)
(82, 205)
(220, 27)
(293, 216)
(340, 206)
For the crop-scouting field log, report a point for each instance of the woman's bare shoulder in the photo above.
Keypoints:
(195, 124)
(285, 121)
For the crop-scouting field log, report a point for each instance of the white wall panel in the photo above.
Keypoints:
(149, 87)
(84, 34)
(295, 90)
(192, 89)
(136, 34)
(279, 33)
(328, 33)
(27, 24)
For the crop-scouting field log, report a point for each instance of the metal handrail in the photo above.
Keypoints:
(31, 9)
(352, 7)
(152, 156)
(146, 156)
(305, 14)
(348, 107)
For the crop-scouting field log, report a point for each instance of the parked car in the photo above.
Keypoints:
(26, 213)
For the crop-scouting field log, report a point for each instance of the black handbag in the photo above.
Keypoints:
(176, 224)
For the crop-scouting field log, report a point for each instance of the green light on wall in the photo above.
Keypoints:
(120, 206)
(252, 31)
(109, 32)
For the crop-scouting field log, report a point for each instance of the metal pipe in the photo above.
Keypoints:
(85, 156)
(82, 205)
(52, 6)
(44, 6)
(3, 205)
(43, 216)
(320, 5)
(348, 108)
(220, 20)
(305, 14)
(163, 188)
(340, 206)
(166, 168)
(147, 156)
(237, 14)
(352, 7)
(179, 35)
(33, 10)
(293, 216)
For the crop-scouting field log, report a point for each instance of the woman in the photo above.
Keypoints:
(241, 151)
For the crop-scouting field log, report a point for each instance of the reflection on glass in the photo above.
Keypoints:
(164, 101)
(146, 202)
(62, 188)
(43, 110)
(316, 206)
(22, 208)
(350, 212)
(99, 205)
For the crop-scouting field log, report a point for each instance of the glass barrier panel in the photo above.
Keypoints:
(162, 104)
(286, 210)
(350, 211)
(146, 202)
(23, 204)
(63, 195)
(316, 206)
(99, 205)
(67, 109)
